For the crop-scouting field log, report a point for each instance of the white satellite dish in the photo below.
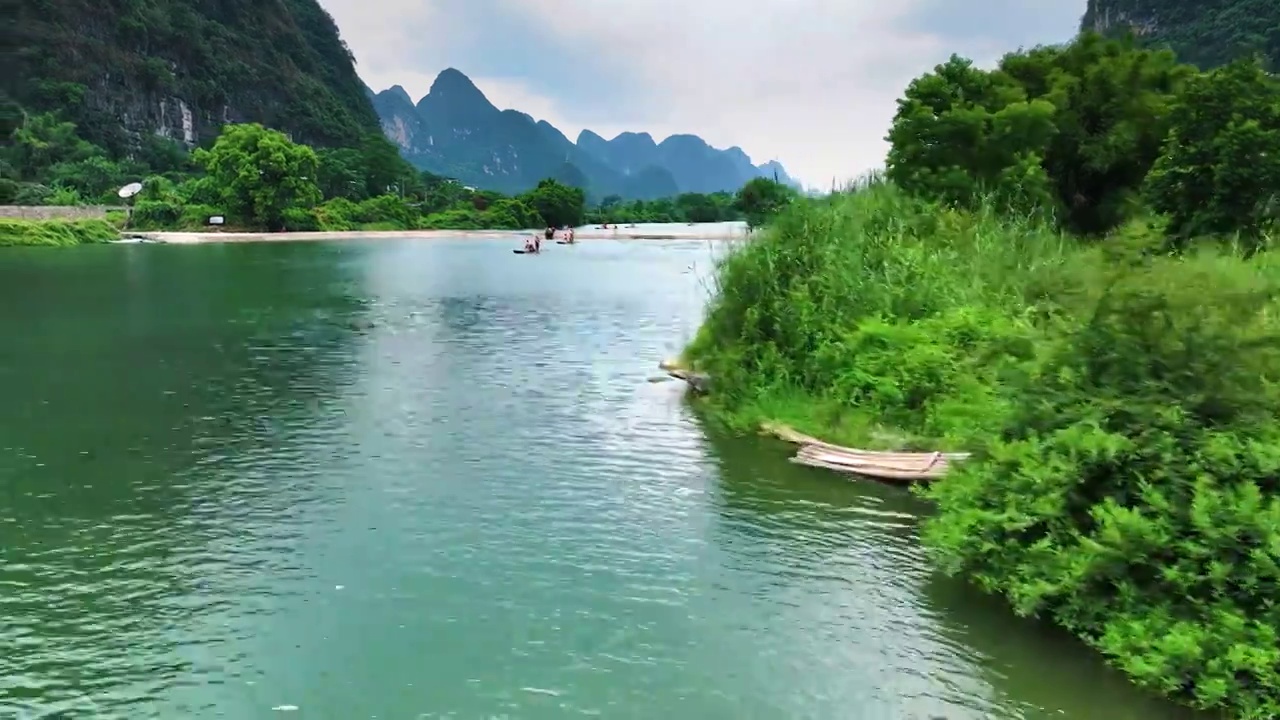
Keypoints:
(130, 190)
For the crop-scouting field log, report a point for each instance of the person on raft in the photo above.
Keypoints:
(551, 233)
(531, 244)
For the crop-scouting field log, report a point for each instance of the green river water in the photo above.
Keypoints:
(429, 479)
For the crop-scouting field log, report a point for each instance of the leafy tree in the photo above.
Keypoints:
(43, 140)
(260, 173)
(339, 174)
(1220, 171)
(1112, 103)
(1073, 129)
(961, 133)
(93, 177)
(762, 198)
(556, 203)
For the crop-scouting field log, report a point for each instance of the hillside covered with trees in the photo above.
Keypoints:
(1205, 33)
(124, 69)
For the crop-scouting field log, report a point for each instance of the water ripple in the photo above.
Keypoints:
(413, 480)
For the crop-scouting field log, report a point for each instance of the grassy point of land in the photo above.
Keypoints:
(1122, 404)
(916, 293)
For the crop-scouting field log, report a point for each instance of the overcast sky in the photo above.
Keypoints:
(811, 83)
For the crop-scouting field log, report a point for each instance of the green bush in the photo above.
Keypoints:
(298, 219)
(32, 194)
(510, 214)
(196, 216)
(1123, 406)
(8, 190)
(1133, 493)
(337, 214)
(156, 215)
(56, 233)
(467, 219)
(385, 209)
(877, 318)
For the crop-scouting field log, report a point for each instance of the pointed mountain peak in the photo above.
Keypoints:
(398, 92)
(453, 86)
(588, 136)
(629, 136)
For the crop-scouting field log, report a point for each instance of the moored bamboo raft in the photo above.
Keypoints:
(700, 382)
(871, 463)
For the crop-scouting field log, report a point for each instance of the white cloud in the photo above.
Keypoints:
(812, 83)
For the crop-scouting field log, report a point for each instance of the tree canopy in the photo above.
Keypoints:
(761, 198)
(1220, 169)
(260, 173)
(1072, 129)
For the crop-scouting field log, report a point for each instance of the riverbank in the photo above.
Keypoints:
(1121, 407)
(68, 233)
(581, 234)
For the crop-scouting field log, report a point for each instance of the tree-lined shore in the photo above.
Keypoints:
(255, 178)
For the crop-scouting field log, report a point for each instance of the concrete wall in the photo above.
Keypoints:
(60, 212)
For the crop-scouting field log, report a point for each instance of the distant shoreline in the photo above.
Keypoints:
(193, 238)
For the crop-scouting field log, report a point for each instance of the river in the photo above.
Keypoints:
(429, 479)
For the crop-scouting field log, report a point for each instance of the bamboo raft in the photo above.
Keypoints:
(699, 382)
(883, 465)
(905, 466)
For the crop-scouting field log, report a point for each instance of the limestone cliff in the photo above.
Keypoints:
(180, 68)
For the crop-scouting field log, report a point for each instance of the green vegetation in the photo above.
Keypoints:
(755, 202)
(257, 178)
(1205, 33)
(1070, 269)
(55, 233)
(111, 67)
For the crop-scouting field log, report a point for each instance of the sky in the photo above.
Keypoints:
(811, 83)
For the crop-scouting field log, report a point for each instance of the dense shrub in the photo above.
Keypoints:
(156, 214)
(1133, 493)
(1123, 406)
(298, 219)
(337, 214)
(385, 209)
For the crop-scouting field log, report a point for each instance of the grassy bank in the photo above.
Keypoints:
(1123, 406)
(878, 319)
(55, 233)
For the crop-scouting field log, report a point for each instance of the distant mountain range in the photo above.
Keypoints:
(455, 131)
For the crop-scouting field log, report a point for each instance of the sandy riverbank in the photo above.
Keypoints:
(181, 238)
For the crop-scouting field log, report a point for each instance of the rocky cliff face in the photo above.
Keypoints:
(1206, 33)
(454, 130)
(182, 68)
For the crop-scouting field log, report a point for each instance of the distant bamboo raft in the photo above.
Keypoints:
(906, 466)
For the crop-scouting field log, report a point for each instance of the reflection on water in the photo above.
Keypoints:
(428, 479)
